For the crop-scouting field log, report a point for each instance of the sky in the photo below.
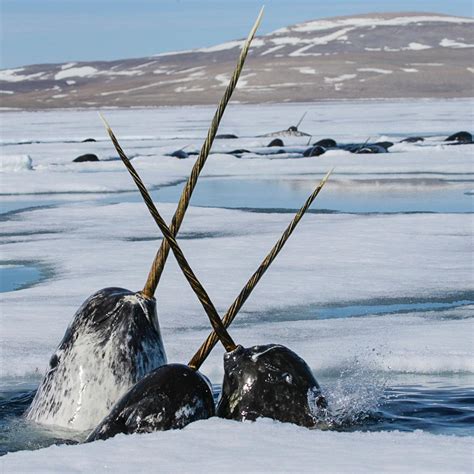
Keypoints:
(56, 31)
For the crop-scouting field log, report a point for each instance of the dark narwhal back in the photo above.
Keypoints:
(169, 397)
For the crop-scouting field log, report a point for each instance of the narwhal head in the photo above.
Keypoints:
(112, 342)
(270, 381)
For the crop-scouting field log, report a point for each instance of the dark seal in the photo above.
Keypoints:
(270, 381)
(85, 158)
(112, 342)
(170, 397)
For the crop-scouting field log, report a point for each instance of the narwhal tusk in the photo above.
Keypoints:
(363, 144)
(201, 293)
(212, 339)
(159, 262)
(301, 120)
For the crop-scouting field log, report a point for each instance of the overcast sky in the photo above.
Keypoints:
(49, 31)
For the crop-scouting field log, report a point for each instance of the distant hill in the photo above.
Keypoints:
(364, 56)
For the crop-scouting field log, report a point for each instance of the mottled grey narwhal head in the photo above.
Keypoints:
(112, 342)
(270, 381)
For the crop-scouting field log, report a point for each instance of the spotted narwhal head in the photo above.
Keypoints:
(112, 342)
(270, 381)
(169, 397)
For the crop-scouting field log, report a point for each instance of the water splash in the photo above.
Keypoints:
(356, 394)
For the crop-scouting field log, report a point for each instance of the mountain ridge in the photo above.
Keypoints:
(378, 55)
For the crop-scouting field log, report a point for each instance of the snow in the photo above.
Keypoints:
(293, 40)
(221, 47)
(381, 271)
(305, 70)
(264, 446)
(89, 71)
(11, 75)
(15, 163)
(67, 66)
(371, 69)
(82, 71)
(367, 21)
(417, 47)
(449, 43)
(343, 77)
(222, 79)
(272, 50)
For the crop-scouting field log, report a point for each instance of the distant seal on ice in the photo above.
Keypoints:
(270, 381)
(169, 397)
(112, 342)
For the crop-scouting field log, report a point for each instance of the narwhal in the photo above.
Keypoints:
(267, 380)
(290, 131)
(173, 396)
(114, 338)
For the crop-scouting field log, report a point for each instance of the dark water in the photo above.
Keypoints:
(442, 410)
(439, 408)
(18, 276)
(16, 433)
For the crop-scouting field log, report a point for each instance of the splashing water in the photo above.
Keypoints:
(356, 394)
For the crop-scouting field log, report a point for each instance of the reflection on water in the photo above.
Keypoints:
(376, 307)
(292, 193)
(268, 195)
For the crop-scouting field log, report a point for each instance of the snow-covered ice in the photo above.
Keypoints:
(264, 446)
(390, 293)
